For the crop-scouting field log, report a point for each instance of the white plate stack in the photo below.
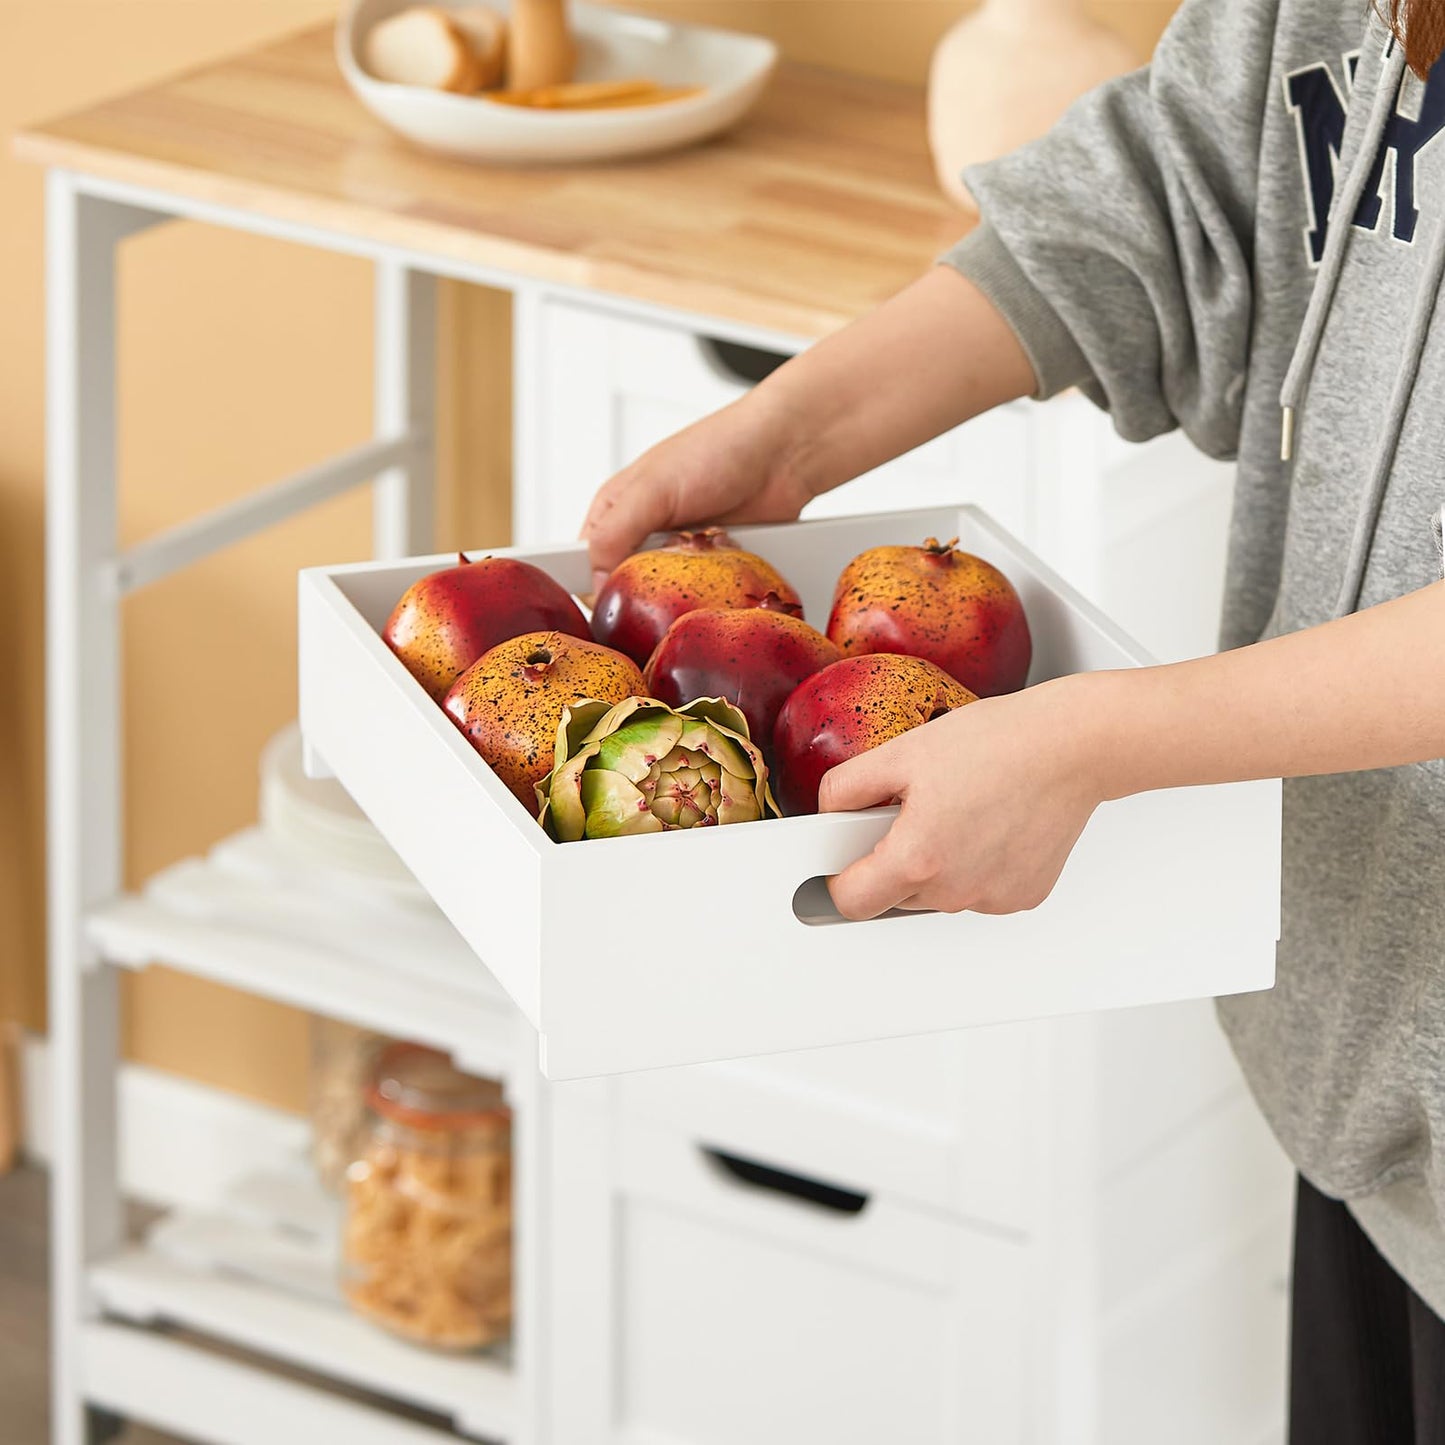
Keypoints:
(317, 818)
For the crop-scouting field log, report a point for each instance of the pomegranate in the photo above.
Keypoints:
(448, 619)
(752, 656)
(648, 592)
(848, 708)
(509, 701)
(935, 602)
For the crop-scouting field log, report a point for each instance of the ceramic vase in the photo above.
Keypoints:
(1005, 73)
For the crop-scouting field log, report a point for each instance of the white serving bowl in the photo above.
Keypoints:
(732, 68)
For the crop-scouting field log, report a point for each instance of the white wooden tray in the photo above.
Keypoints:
(678, 948)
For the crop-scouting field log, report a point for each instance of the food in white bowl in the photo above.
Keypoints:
(467, 51)
(428, 46)
(487, 34)
(667, 85)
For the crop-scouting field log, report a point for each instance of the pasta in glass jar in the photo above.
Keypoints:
(427, 1242)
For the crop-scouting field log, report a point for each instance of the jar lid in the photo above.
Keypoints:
(421, 1088)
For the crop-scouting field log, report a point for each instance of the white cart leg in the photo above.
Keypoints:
(527, 1095)
(404, 329)
(528, 319)
(83, 752)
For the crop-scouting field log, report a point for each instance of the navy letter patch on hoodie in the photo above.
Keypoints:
(1319, 108)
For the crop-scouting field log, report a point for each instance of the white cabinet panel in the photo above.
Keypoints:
(1163, 527)
(1167, 1067)
(1161, 1218)
(1203, 1362)
(1141, 530)
(985, 461)
(886, 1324)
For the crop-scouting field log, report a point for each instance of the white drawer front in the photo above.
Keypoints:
(951, 1120)
(742, 1314)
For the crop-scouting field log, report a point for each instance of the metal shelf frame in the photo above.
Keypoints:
(87, 578)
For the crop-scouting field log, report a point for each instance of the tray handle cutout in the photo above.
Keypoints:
(813, 905)
(738, 363)
(832, 1197)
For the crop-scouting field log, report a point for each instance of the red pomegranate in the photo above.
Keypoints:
(752, 656)
(650, 590)
(936, 602)
(848, 708)
(448, 619)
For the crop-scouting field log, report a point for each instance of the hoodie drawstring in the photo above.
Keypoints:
(1368, 517)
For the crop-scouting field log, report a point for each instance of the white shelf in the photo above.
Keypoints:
(261, 916)
(188, 1391)
(141, 1286)
(259, 1272)
(270, 1254)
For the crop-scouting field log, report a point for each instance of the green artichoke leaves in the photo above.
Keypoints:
(643, 767)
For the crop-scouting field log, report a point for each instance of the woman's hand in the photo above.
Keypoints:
(994, 798)
(996, 794)
(926, 360)
(737, 465)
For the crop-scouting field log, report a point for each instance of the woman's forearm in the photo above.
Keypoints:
(1366, 691)
(931, 357)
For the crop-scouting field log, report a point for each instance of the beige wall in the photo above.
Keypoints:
(242, 359)
(889, 38)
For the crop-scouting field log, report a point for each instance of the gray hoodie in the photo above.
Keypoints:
(1171, 248)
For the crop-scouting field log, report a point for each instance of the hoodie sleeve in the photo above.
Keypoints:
(1119, 246)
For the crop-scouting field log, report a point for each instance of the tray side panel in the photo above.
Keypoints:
(445, 817)
(1168, 896)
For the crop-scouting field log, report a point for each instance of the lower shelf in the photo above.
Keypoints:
(178, 1387)
(296, 1323)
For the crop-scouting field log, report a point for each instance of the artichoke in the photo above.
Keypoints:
(643, 767)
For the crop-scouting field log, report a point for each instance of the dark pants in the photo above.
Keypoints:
(1367, 1355)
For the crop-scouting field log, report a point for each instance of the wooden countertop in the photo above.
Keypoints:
(821, 204)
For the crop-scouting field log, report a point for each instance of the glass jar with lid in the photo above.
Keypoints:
(427, 1241)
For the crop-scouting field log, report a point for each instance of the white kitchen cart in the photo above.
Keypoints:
(1104, 1213)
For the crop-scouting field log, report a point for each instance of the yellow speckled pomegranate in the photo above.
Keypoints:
(509, 701)
(938, 603)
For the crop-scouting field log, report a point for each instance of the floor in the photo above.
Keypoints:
(24, 1315)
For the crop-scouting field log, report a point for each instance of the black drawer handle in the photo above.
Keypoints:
(797, 1186)
(747, 364)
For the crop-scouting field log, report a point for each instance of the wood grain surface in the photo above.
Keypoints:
(820, 205)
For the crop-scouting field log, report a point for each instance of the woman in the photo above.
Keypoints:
(1245, 240)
